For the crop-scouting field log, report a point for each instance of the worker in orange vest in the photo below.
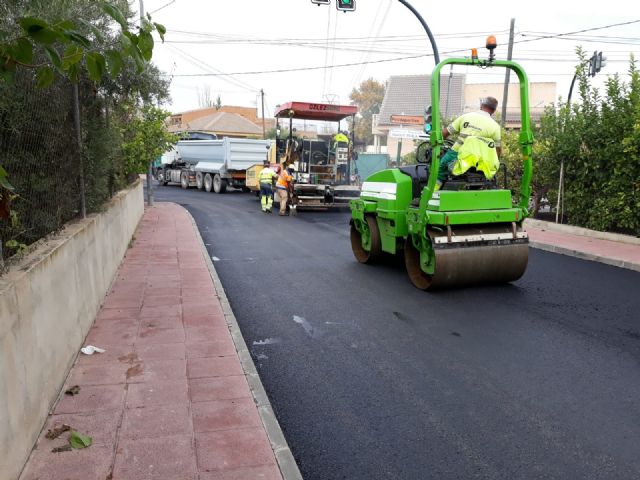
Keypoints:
(282, 187)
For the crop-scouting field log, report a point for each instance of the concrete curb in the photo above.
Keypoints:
(584, 232)
(585, 256)
(284, 457)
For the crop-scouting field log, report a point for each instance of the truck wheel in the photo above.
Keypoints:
(208, 182)
(219, 184)
(184, 180)
(199, 180)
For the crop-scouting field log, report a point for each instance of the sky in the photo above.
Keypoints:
(294, 50)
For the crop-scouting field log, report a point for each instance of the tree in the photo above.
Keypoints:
(368, 97)
(146, 139)
(599, 141)
(67, 46)
(204, 97)
(45, 46)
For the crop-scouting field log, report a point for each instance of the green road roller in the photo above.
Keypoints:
(469, 231)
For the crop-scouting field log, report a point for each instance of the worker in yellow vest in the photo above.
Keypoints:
(477, 145)
(267, 175)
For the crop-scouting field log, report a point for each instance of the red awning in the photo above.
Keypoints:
(316, 111)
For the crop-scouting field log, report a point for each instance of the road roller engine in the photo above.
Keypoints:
(469, 231)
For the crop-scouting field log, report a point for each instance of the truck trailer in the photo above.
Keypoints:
(212, 165)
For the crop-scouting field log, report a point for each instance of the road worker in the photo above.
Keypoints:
(267, 176)
(477, 145)
(339, 138)
(282, 187)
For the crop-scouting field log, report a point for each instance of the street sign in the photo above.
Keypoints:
(407, 119)
(405, 133)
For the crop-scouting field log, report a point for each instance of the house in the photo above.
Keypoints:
(408, 95)
(541, 95)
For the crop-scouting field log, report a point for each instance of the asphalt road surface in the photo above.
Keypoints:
(371, 378)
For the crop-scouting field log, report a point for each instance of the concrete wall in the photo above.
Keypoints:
(48, 302)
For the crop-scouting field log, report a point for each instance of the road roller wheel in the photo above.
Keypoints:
(468, 264)
(366, 246)
(419, 279)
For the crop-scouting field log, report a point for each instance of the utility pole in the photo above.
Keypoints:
(150, 168)
(507, 75)
(264, 135)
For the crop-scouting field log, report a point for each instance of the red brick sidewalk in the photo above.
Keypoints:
(169, 399)
(615, 253)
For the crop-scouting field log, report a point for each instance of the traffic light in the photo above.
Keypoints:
(427, 120)
(321, 2)
(596, 62)
(346, 5)
(601, 62)
(592, 64)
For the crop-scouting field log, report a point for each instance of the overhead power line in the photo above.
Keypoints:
(408, 57)
(558, 35)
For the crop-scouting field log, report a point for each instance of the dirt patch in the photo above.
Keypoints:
(135, 370)
(129, 358)
(57, 430)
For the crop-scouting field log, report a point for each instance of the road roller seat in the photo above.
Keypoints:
(472, 179)
(419, 174)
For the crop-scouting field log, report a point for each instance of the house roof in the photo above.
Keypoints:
(223, 122)
(410, 94)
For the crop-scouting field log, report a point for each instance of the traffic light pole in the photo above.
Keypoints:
(561, 180)
(596, 62)
(436, 55)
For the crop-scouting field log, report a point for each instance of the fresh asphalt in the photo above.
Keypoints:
(371, 378)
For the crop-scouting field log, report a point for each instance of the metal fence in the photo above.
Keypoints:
(59, 171)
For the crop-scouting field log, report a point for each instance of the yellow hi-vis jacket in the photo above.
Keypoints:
(478, 137)
(266, 175)
(478, 152)
(340, 138)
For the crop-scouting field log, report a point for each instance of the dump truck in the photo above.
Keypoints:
(470, 231)
(212, 165)
(322, 170)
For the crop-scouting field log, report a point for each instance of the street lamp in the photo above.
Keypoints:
(436, 55)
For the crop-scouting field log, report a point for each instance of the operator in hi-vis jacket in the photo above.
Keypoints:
(477, 145)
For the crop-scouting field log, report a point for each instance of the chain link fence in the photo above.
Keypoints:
(58, 171)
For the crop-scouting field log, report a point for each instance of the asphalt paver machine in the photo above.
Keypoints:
(322, 177)
(469, 232)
